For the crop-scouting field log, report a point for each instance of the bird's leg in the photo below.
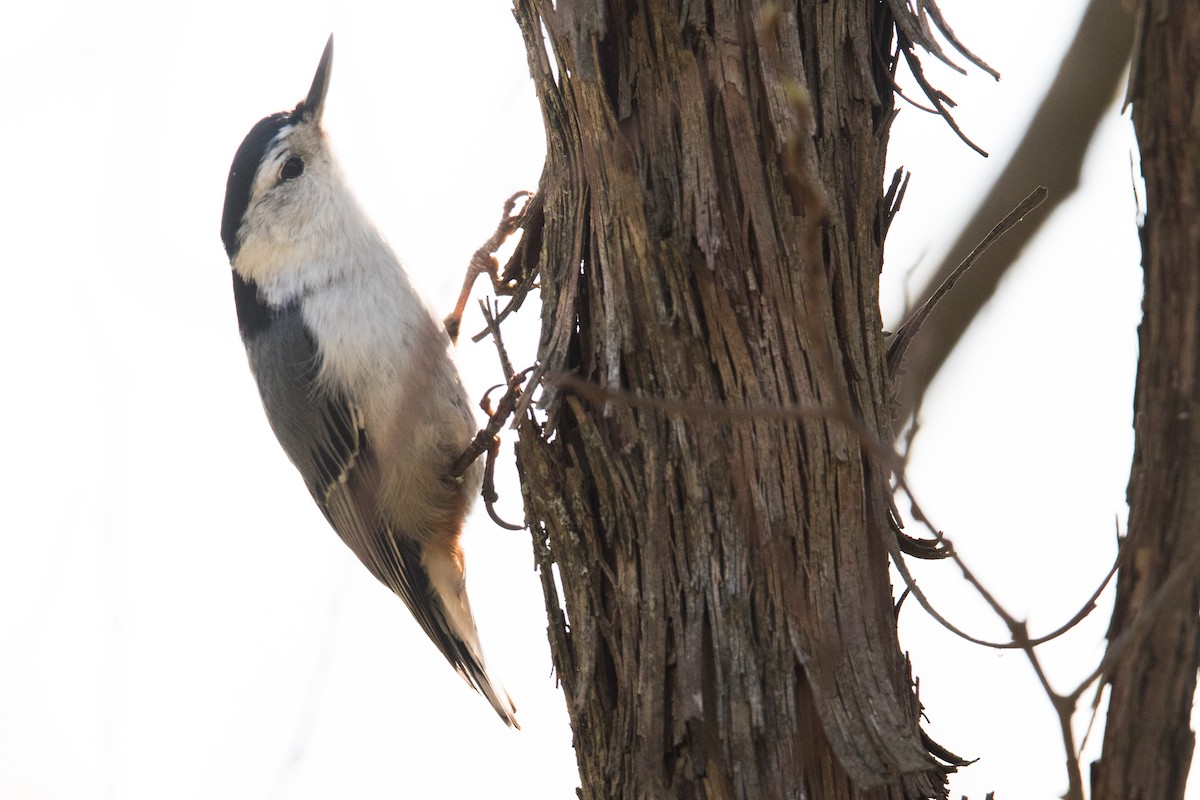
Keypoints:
(484, 260)
(482, 441)
(489, 486)
(487, 441)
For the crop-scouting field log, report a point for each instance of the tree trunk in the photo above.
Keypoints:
(709, 236)
(1148, 742)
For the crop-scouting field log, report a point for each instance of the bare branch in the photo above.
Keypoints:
(948, 552)
(912, 325)
(685, 408)
(1064, 706)
(1050, 154)
(691, 408)
(1179, 579)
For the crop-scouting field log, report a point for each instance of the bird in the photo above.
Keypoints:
(356, 374)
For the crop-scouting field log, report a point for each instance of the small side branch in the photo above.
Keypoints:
(1177, 582)
(904, 336)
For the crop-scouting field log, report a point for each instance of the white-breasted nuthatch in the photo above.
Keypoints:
(355, 373)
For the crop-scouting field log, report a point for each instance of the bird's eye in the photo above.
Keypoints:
(292, 168)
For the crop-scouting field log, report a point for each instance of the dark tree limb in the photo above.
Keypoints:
(1050, 154)
(1148, 742)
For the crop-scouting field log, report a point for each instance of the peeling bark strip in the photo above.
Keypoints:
(1148, 743)
(710, 217)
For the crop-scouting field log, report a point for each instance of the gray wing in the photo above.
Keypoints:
(323, 435)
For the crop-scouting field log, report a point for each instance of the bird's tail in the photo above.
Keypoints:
(496, 696)
(459, 641)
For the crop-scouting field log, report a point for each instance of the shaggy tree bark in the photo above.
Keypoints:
(708, 232)
(1148, 743)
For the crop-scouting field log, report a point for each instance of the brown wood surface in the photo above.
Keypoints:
(708, 232)
(1148, 742)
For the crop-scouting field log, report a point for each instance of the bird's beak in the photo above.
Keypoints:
(314, 104)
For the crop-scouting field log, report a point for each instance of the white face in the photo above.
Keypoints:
(297, 211)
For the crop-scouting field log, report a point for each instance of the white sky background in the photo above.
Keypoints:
(176, 618)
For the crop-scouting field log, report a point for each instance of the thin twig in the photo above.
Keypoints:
(695, 408)
(686, 408)
(904, 336)
(518, 297)
(1087, 734)
(911, 584)
(1179, 578)
(493, 327)
(909, 435)
(534, 374)
(1064, 705)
